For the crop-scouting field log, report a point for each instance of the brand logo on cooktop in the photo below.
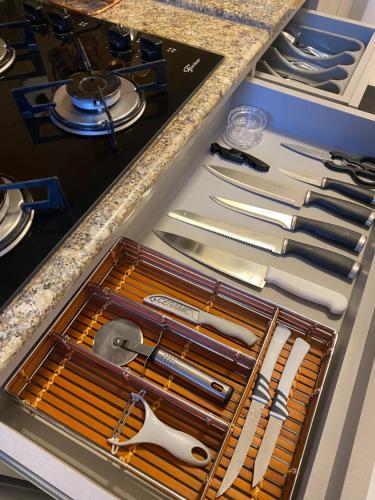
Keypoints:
(189, 68)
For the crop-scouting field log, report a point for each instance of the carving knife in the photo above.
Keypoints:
(334, 262)
(340, 236)
(352, 191)
(255, 274)
(295, 198)
(199, 317)
(279, 411)
(259, 399)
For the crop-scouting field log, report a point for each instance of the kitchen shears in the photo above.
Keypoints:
(360, 169)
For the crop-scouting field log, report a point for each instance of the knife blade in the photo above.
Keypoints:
(352, 191)
(284, 194)
(199, 317)
(315, 154)
(253, 273)
(334, 262)
(259, 399)
(279, 410)
(340, 236)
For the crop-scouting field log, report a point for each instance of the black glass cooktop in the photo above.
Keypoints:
(33, 146)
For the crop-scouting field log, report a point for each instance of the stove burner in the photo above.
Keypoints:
(126, 104)
(16, 221)
(4, 201)
(7, 56)
(88, 90)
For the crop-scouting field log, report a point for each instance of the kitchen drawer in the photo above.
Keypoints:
(60, 463)
(343, 77)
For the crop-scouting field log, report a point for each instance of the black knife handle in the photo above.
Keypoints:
(332, 261)
(342, 208)
(341, 236)
(358, 193)
(200, 379)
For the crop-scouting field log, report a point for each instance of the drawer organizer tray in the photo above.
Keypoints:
(66, 383)
(323, 55)
(331, 72)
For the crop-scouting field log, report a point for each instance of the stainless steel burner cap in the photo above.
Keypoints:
(87, 89)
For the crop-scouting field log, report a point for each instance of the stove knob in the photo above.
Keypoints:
(119, 39)
(34, 13)
(151, 48)
(60, 21)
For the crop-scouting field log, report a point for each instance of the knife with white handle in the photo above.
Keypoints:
(199, 317)
(259, 399)
(253, 273)
(279, 410)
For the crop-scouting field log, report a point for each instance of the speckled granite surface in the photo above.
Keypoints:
(266, 14)
(240, 44)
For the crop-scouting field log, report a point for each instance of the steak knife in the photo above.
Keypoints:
(199, 317)
(255, 274)
(340, 236)
(339, 264)
(259, 399)
(352, 191)
(279, 411)
(296, 198)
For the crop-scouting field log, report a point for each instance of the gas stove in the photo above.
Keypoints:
(81, 98)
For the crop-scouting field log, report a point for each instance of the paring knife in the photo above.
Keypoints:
(259, 399)
(284, 194)
(358, 193)
(339, 264)
(279, 411)
(255, 274)
(341, 236)
(199, 317)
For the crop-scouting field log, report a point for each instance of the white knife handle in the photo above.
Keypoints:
(261, 389)
(334, 301)
(279, 406)
(228, 328)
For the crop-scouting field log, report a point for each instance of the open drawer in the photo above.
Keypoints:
(334, 56)
(74, 462)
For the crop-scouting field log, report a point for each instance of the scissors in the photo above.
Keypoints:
(361, 170)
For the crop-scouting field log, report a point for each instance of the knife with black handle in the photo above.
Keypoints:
(352, 191)
(334, 262)
(337, 235)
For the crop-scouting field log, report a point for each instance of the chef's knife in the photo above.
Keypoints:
(358, 193)
(284, 194)
(199, 317)
(339, 264)
(341, 236)
(279, 411)
(253, 273)
(259, 399)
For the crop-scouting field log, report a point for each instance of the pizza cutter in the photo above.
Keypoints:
(154, 431)
(121, 340)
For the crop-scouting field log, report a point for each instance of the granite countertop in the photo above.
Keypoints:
(240, 43)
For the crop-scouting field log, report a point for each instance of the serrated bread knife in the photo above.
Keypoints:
(199, 317)
(338, 235)
(279, 410)
(253, 273)
(259, 399)
(294, 197)
(334, 262)
(352, 191)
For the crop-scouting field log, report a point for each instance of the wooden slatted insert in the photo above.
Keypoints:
(64, 381)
